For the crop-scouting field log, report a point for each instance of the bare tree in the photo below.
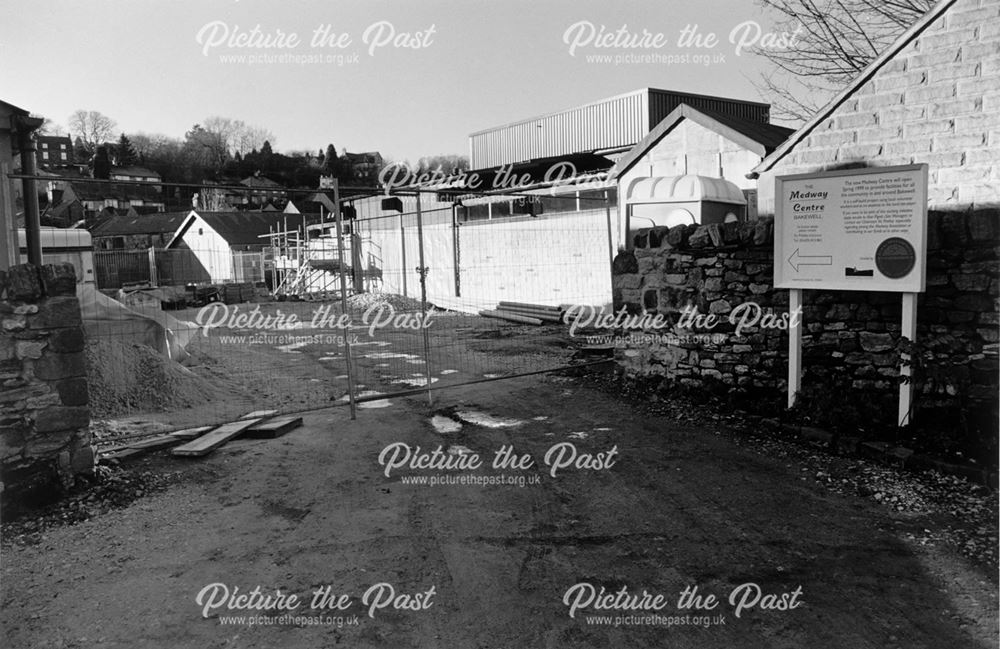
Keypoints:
(92, 127)
(49, 127)
(206, 148)
(254, 137)
(835, 41)
(146, 144)
(236, 135)
(211, 199)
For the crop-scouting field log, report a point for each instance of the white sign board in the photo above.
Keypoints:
(855, 230)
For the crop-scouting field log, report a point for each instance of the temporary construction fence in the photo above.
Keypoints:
(402, 299)
(116, 269)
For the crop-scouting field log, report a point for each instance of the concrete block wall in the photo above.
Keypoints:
(849, 336)
(44, 415)
(937, 101)
(691, 148)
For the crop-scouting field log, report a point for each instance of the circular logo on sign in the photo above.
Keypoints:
(895, 257)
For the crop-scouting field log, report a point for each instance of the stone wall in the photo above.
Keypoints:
(849, 337)
(44, 414)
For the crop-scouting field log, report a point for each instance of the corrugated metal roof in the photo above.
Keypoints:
(614, 122)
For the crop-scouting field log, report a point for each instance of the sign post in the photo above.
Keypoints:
(852, 230)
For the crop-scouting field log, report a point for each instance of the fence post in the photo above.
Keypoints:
(343, 296)
(402, 252)
(611, 238)
(456, 250)
(422, 271)
(153, 280)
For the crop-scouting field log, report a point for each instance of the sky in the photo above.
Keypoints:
(407, 78)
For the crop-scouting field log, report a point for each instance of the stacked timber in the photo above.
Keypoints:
(525, 313)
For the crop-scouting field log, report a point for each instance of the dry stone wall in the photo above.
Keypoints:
(724, 274)
(44, 414)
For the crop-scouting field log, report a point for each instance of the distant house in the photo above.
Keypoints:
(363, 168)
(96, 196)
(135, 173)
(132, 231)
(54, 151)
(63, 214)
(262, 189)
(207, 246)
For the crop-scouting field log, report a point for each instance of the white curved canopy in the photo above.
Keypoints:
(675, 189)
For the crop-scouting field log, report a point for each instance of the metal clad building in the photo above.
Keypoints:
(611, 123)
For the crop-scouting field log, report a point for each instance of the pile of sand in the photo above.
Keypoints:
(127, 378)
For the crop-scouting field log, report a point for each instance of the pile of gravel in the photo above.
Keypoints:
(127, 378)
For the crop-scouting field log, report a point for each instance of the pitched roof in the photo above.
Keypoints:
(53, 138)
(240, 228)
(759, 137)
(101, 190)
(160, 223)
(366, 156)
(261, 181)
(133, 170)
(12, 108)
(905, 38)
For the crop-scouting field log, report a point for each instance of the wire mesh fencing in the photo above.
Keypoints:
(198, 317)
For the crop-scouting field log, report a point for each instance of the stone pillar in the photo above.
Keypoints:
(45, 438)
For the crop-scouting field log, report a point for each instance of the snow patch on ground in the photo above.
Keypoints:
(378, 403)
(486, 420)
(414, 383)
(444, 425)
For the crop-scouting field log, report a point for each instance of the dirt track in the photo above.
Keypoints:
(681, 506)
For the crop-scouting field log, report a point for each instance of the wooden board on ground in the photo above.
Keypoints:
(256, 414)
(274, 427)
(119, 453)
(154, 443)
(191, 433)
(213, 440)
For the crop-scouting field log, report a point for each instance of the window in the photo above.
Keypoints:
(45, 155)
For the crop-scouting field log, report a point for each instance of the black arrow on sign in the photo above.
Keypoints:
(797, 260)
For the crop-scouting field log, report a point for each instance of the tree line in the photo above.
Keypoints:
(215, 149)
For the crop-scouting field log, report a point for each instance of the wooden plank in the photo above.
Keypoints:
(120, 453)
(154, 443)
(256, 414)
(213, 440)
(191, 433)
(274, 427)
